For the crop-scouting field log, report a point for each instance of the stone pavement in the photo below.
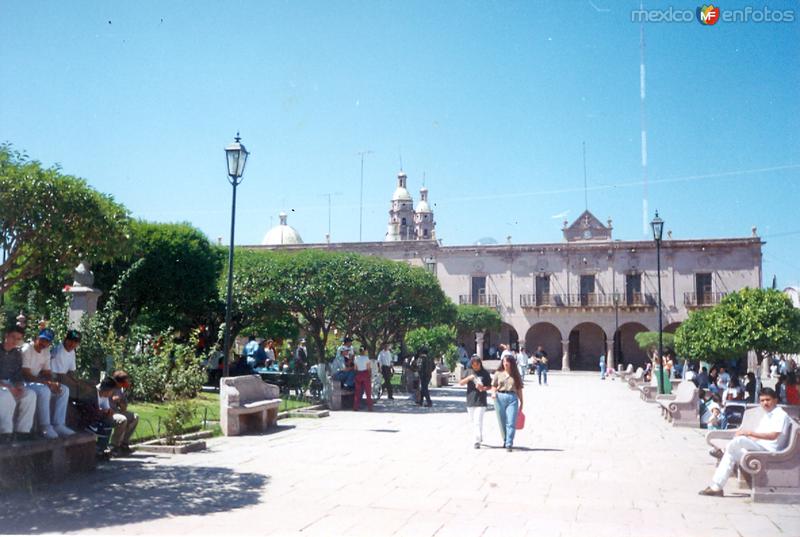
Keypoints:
(593, 460)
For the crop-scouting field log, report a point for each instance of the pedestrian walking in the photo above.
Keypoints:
(425, 371)
(602, 367)
(522, 362)
(363, 380)
(507, 389)
(478, 383)
(540, 359)
(385, 362)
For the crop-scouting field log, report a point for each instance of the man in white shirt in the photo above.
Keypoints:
(522, 361)
(363, 379)
(771, 434)
(63, 367)
(385, 363)
(38, 378)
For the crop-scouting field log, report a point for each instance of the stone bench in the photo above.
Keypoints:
(636, 379)
(771, 477)
(623, 375)
(25, 463)
(247, 404)
(339, 395)
(682, 409)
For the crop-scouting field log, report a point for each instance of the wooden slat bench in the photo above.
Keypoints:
(247, 404)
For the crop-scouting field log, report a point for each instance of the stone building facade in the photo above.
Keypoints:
(586, 296)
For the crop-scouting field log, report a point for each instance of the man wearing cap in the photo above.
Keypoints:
(38, 377)
(15, 398)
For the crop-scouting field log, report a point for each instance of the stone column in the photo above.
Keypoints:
(610, 362)
(565, 355)
(84, 296)
(479, 344)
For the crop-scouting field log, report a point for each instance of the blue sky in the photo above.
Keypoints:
(488, 101)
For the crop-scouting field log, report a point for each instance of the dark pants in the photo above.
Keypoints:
(424, 393)
(387, 372)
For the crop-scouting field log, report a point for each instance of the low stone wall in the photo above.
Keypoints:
(23, 464)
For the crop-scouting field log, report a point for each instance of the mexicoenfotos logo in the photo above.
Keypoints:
(708, 15)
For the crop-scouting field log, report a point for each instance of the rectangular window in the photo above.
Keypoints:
(542, 290)
(478, 288)
(633, 289)
(587, 289)
(703, 288)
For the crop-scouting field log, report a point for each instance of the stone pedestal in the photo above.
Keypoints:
(83, 295)
(565, 355)
(479, 344)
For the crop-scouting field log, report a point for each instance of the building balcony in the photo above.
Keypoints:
(480, 300)
(588, 300)
(701, 300)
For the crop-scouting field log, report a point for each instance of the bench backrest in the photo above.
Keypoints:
(639, 374)
(686, 393)
(250, 388)
(629, 369)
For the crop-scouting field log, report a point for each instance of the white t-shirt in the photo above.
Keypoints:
(361, 361)
(35, 361)
(385, 358)
(61, 360)
(522, 358)
(776, 421)
(506, 353)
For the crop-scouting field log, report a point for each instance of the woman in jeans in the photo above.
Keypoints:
(478, 382)
(507, 388)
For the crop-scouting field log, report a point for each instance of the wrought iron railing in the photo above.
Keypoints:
(702, 299)
(479, 300)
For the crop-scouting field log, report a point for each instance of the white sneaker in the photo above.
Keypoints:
(63, 430)
(49, 433)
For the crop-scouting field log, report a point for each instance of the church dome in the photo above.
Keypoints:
(401, 194)
(422, 206)
(282, 234)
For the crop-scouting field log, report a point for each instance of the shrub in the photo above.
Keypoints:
(179, 415)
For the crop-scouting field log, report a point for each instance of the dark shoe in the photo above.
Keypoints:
(428, 404)
(716, 453)
(103, 455)
(477, 445)
(126, 449)
(708, 491)
(509, 449)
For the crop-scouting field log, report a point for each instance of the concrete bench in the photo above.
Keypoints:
(771, 477)
(39, 461)
(682, 409)
(636, 379)
(338, 396)
(623, 375)
(247, 404)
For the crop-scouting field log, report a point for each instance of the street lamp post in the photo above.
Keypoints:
(236, 155)
(658, 231)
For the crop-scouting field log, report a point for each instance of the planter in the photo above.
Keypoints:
(186, 443)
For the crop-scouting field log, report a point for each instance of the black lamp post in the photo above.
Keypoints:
(658, 232)
(237, 157)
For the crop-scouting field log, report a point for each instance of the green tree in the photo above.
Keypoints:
(471, 318)
(175, 283)
(762, 320)
(648, 341)
(389, 298)
(439, 340)
(50, 221)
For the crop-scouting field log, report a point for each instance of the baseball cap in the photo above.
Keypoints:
(47, 334)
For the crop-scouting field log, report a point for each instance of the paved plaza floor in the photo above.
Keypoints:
(593, 460)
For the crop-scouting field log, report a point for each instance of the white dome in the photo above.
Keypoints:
(401, 194)
(283, 233)
(423, 207)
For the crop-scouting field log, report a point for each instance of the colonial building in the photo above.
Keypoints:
(580, 298)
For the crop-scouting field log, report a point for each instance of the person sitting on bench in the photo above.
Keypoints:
(771, 435)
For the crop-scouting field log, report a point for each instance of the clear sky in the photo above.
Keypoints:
(490, 102)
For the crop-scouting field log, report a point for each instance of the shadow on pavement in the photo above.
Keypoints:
(126, 492)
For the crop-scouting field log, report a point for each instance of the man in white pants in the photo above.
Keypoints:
(38, 377)
(17, 403)
(771, 434)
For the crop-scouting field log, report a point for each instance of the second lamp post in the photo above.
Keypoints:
(658, 232)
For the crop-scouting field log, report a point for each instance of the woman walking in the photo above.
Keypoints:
(507, 388)
(478, 383)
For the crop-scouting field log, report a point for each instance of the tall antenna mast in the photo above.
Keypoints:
(585, 183)
(643, 121)
(400, 153)
(361, 196)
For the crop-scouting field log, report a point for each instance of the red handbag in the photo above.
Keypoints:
(520, 424)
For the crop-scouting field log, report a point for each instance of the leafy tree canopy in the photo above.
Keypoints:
(175, 283)
(49, 220)
(648, 341)
(471, 318)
